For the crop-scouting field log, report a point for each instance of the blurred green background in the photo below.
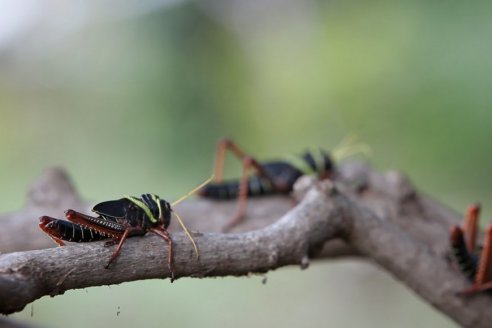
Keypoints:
(132, 97)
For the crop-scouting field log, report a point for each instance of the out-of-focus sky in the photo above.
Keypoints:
(131, 98)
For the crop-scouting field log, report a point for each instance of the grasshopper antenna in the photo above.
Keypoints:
(349, 146)
(203, 184)
(181, 223)
(187, 234)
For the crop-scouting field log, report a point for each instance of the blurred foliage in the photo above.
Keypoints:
(135, 105)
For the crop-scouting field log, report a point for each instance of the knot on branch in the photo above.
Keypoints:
(52, 189)
(399, 186)
(308, 182)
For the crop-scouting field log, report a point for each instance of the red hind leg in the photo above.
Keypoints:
(222, 146)
(114, 230)
(470, 226)
(483, 280)
(249, 163)
(45, 223)
(243, 196)
(227, 144)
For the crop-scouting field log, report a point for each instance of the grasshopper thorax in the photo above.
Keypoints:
(154, 211)
(318, 162)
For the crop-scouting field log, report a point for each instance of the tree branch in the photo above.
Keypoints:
(380, 216)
